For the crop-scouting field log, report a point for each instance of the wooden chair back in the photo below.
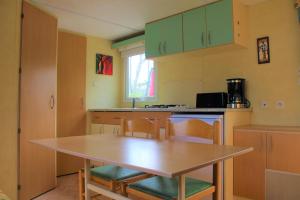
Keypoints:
(194, 128)
(197, 128)
(140, 125)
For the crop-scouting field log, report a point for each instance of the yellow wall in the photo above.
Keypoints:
(102, 91)
(10, 11)
(182, 76)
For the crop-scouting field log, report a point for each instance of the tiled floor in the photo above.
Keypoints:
(67, 189)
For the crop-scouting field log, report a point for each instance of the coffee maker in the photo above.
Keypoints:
(236, 93)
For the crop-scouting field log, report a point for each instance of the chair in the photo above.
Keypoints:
(158, 188)
(117, 178)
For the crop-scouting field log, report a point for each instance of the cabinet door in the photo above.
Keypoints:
(194, 29)
(219, 18)
(249, 169)
(71, 113)
(172, 35)
(164, 37)
(38, 102)
(283, 152)
(153, 38)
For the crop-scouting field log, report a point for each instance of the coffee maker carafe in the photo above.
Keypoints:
(236, 93)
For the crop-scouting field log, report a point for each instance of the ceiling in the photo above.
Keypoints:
(113, 19)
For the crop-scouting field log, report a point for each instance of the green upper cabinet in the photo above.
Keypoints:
(194, 29)
(153, 38)
(219, 20)
(164, 37)
(221, 23)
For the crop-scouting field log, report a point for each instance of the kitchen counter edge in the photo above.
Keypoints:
(174, 110)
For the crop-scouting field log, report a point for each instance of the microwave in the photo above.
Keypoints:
(211, 100)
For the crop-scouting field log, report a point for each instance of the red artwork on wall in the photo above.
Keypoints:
(104, 64)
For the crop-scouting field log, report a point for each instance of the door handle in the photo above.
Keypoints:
(209, 37)
(52, 102)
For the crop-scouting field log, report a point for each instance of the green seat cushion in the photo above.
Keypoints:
(112, 172)
(167, 188)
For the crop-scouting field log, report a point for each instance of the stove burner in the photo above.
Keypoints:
(165, 106)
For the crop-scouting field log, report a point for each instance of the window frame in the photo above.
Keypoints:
(126, 79)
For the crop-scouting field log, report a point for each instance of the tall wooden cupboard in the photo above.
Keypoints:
(37, 166)
(71, 112)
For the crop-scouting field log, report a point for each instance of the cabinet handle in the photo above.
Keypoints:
(261, 145)
(165, 47)
(52, 102)
(270, 143)
(159, 48)
(209, 37)
(202, 38)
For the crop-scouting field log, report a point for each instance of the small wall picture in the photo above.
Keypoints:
(104, 64)
(263, 50)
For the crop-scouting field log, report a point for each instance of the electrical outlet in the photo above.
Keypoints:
(280, 104)
(263, 104)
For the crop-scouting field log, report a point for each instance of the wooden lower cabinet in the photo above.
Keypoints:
(113, 118)
(249, 169)
(283, 152)
(275, 148)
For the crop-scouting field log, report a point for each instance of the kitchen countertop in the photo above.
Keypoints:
(191, 110)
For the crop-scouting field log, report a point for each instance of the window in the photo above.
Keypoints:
(140, 78)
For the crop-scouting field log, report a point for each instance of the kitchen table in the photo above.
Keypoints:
(3, 196)
(169, 158)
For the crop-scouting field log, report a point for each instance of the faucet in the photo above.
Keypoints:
(133, 102)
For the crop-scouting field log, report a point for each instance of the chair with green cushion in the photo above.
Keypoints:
(116, 178)
(162, 188)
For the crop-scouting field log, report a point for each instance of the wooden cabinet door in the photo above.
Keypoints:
(37, 101)
(283, 152)
(71, 112)
(219, 19)
(249, 169)
(164, 37)
(194, 29)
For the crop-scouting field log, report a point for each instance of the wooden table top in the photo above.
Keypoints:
(3, 196)
(165, 158)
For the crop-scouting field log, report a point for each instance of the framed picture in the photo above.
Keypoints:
(263, 50)
(104, 64)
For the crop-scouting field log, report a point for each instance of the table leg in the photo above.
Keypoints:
(181, 187)
(87, 178)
